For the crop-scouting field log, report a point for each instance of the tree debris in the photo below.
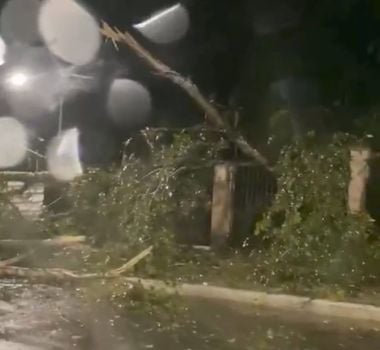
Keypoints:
(212, 115)
(58, 242)
(61, 275)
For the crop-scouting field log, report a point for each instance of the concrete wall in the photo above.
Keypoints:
(29, 201)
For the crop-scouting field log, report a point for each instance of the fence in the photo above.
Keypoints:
(241, 193)
(26, 191)
(255, 188)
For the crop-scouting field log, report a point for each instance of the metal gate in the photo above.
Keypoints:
(255, 188)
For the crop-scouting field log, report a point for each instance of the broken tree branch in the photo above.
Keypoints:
(131, 263)
(58, 242)
(211, 113)
(13, 260)
(30, 177)
(62, 275)
(43, 274)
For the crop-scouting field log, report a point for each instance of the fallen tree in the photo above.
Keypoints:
(57, 242)
(212, 115)
(64, 275)
(32, 245)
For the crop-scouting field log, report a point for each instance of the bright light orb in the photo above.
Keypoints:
(166, 26)
(13, 142)
(62, 156)
(17, 80)
(129, 103)
(34, 84)
(69, 31)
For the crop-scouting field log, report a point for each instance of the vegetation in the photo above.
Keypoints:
(149, 201)
(305, 242)
(311, 236)
(158, 197)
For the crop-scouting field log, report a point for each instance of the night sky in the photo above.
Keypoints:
(326, 52)
(256, 56)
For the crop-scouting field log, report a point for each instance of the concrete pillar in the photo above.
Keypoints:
(222, 204)
(359, 178)
(30, 201)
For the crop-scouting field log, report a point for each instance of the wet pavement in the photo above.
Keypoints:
(49, 318)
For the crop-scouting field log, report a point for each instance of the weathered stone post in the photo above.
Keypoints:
(359, 178)
(222, 204)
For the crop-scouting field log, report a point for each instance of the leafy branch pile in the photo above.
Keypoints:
(157, 199)
(150, 200)
(307, 236)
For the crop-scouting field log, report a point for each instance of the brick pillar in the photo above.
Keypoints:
(222, 204)
(30, 201)
(359, 178)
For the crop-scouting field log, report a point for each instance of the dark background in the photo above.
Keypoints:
(326, 55)
(318, 59)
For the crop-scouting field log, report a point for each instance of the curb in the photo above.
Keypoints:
(276, 302)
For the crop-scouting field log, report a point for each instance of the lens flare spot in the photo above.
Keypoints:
(17, 79)
(63, 156)
(69, 31)
(129, 103)
(166, 26)
(34, 84)
(13, 142)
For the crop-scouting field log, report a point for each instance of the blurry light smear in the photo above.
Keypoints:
(69, 31)
(129, 103)
(63, 156)
(166, 26)
(13, 142)
(18, 21)
(17, 79)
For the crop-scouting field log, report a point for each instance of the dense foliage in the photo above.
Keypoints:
(161, 197)
(154, 200)
(312, 238)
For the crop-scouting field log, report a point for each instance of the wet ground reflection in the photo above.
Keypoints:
(48, 318)
(211, 326)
